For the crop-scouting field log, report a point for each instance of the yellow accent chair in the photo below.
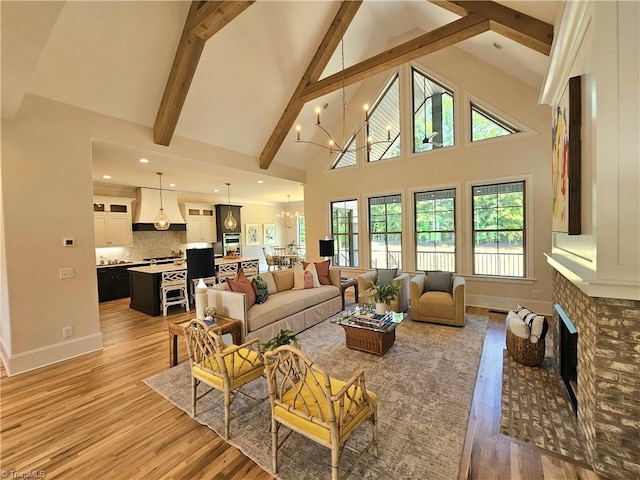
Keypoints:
(225, 368)
(439, 305)
(324, 409)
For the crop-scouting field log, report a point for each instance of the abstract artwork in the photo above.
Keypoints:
(252, 234)
(269, 231)
(565, 172)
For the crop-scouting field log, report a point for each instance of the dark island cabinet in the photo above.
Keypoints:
(113, 283)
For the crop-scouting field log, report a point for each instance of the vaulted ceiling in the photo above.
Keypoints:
(244, 72)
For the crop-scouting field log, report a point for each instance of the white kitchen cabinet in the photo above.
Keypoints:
(201, 222)
(112, 221)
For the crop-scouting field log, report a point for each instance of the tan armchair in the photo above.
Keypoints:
(400, 304)
(435, 306)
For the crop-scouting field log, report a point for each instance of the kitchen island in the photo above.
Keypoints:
(145, 284)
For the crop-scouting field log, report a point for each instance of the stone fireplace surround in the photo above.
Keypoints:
(608, 376)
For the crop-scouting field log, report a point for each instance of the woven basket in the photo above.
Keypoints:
(525, 352)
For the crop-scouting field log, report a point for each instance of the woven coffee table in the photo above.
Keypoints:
(223, 325)
(364, 335)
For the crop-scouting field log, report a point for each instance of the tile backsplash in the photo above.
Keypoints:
(146, 245)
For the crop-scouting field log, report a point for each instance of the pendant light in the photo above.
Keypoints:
(230, 223)
(161, 222)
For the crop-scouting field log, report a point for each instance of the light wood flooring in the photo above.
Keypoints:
(93, 418)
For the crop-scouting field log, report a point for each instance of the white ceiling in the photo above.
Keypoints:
(114, 57)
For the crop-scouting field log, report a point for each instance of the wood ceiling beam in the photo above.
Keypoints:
(317, 65)
(521, 28)
(450, 34)
(203, 21)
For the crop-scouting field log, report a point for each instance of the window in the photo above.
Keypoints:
(435, 214)
(348, 158)
(499, 229)
(485, 125)
(301, 237)
(344, 230)
(385, 231)
(384, 124)
(432, 112)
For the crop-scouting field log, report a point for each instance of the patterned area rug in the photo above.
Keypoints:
(536, 409)
(424, 384)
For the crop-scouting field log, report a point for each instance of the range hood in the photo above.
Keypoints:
(148, 206)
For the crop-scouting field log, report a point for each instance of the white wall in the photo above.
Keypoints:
(605, 259)
(526, 155)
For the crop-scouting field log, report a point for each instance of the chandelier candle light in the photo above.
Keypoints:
(230, 223)
(333, 146)
(286, 218)
(161, 222)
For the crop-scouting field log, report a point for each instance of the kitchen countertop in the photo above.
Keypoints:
(159, 268)
(133, 263)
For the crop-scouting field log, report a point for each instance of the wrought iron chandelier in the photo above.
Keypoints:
(286, 218)
(342, 147)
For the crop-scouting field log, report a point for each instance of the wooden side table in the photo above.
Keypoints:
(223, 325)
(346, 283)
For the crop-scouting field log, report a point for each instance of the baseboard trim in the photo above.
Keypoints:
(503, 304)
(59, 352)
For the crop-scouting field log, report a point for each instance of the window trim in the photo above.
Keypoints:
(492, 117)
(355, 243)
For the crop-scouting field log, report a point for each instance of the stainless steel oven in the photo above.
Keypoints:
(231, 240)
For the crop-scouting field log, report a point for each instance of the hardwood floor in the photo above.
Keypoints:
(92, 417)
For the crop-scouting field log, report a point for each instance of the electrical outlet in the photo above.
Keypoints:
(535, 294)
(67, 332)
(67, 273)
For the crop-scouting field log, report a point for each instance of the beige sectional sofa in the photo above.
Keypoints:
(285, 308)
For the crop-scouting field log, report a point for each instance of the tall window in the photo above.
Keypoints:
(499, 229)
(348, 158)
(301, 237)
(344, 230)
(432, 112)
(385, 231)
(384, 124)
(485, 125)
(435, 214)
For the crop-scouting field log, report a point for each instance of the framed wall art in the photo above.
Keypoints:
(252, 234)
(269, 231)
(566, 160)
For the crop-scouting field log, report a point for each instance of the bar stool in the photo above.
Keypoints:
(174, 282)
(227, 271)
(250, 268)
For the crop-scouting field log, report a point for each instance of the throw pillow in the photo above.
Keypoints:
(315, 282)
(385, 275)
(322, 268)
(517, 326)
(537, 323)
(261, 288)
(308, 279)
(243, 285)
(298, 277)
(440, 281)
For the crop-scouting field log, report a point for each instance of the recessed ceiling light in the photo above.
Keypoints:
(497, 45)
(172, 184)
(106, 177)
(216, 190)
(260, 181)
(144, 160)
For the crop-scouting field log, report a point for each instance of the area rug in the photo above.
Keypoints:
(536, 409)
(424, 383)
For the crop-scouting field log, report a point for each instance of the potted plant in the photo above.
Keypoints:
(285, 337)
(382, 294)
(210, 313)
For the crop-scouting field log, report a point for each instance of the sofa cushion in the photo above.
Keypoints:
(440, 281)
(287, 303)
(243, 284)
(271, 283)
(261, 288)
(436, 305)
(385, 275)
(283, 279)
(322, 268)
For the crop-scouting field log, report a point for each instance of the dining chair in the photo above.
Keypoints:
(224, 368)
(324, 409)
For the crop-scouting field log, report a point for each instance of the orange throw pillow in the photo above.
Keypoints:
(243, 285)
(322, 269)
